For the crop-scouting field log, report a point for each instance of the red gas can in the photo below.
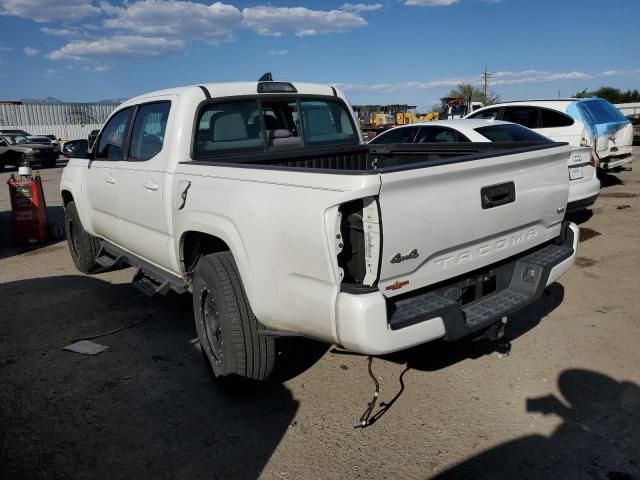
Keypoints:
(28, 210)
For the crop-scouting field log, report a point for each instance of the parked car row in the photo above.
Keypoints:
(584, 186)
(582, 122)
(18, 147)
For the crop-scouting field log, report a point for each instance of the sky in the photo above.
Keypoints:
(386, 51)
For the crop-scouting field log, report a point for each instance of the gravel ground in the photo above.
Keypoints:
(564, 404)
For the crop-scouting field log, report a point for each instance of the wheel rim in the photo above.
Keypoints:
(211, 322)
(75, 241)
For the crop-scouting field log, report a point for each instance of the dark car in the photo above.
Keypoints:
(17, 148)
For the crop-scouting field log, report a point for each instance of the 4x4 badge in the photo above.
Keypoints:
(398, 257)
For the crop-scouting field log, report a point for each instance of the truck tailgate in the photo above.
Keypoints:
(451, 218)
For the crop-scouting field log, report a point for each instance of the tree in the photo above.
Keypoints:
(476, 94)
(612, 94)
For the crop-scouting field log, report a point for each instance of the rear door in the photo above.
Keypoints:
(447, 220)
(140, 187)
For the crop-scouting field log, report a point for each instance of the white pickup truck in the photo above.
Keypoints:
(261, 200)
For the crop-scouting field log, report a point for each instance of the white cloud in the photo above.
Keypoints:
(276, 21)
(59, 32)
(430, 3)
(278, 52)
(174, 18)
(120, 45)
(498, 78)
(610, 73)
(534, 76)
(361, 7)
(44, 11)
(30, 51)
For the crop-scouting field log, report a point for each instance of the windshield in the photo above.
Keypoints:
(511, 133)
(16, 139)
(601, 111)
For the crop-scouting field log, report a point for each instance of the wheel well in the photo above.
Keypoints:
(66, 197)
(195, 245)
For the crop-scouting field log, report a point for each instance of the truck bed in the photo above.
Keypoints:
(374, 159)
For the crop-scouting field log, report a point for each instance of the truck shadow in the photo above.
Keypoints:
(56, 233)
(437, 355)
(144, 408)
(599, 436)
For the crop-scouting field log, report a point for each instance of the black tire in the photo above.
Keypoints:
(227, 327)
(83, 246)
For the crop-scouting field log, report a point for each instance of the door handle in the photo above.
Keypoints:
(151, 185)
(110, 180)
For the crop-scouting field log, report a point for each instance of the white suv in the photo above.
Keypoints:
(591, 122)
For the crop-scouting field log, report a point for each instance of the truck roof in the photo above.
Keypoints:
(228, 89)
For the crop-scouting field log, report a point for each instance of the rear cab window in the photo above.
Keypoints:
(511, 133)
(257, 125)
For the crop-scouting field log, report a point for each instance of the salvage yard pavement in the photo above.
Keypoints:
(565, 403)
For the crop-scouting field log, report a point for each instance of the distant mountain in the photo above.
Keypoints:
(117, 101)
(40, 100)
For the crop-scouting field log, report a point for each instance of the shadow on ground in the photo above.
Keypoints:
(145, 408)
(598, 439)
(608, 179)
(56, 233)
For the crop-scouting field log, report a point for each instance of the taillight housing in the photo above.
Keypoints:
(360, 242)
(594, 161)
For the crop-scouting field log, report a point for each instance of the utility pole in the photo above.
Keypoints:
(485, 82)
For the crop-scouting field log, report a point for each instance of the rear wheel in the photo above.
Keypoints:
(227, 328)
(83, 246)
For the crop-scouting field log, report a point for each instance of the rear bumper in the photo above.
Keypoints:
(374, 325)
(610, 163)
(583, 194)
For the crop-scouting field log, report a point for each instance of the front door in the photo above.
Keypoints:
(101, 183)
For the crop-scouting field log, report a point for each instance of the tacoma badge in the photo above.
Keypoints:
(398, 257)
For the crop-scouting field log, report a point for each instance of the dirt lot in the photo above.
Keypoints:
(564, 404)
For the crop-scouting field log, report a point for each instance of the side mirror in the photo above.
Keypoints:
(76, 148)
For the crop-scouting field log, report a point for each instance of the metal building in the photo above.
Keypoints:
(67, 121)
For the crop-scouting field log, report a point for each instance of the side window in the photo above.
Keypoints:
(489, 114)
(113, 136)
(525, 116)
(552, 119)
(397, 135)
(148, 131)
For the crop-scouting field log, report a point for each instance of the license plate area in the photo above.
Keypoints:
(477, 288)
(575, 173)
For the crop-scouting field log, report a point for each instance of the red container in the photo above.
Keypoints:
(28, 210)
